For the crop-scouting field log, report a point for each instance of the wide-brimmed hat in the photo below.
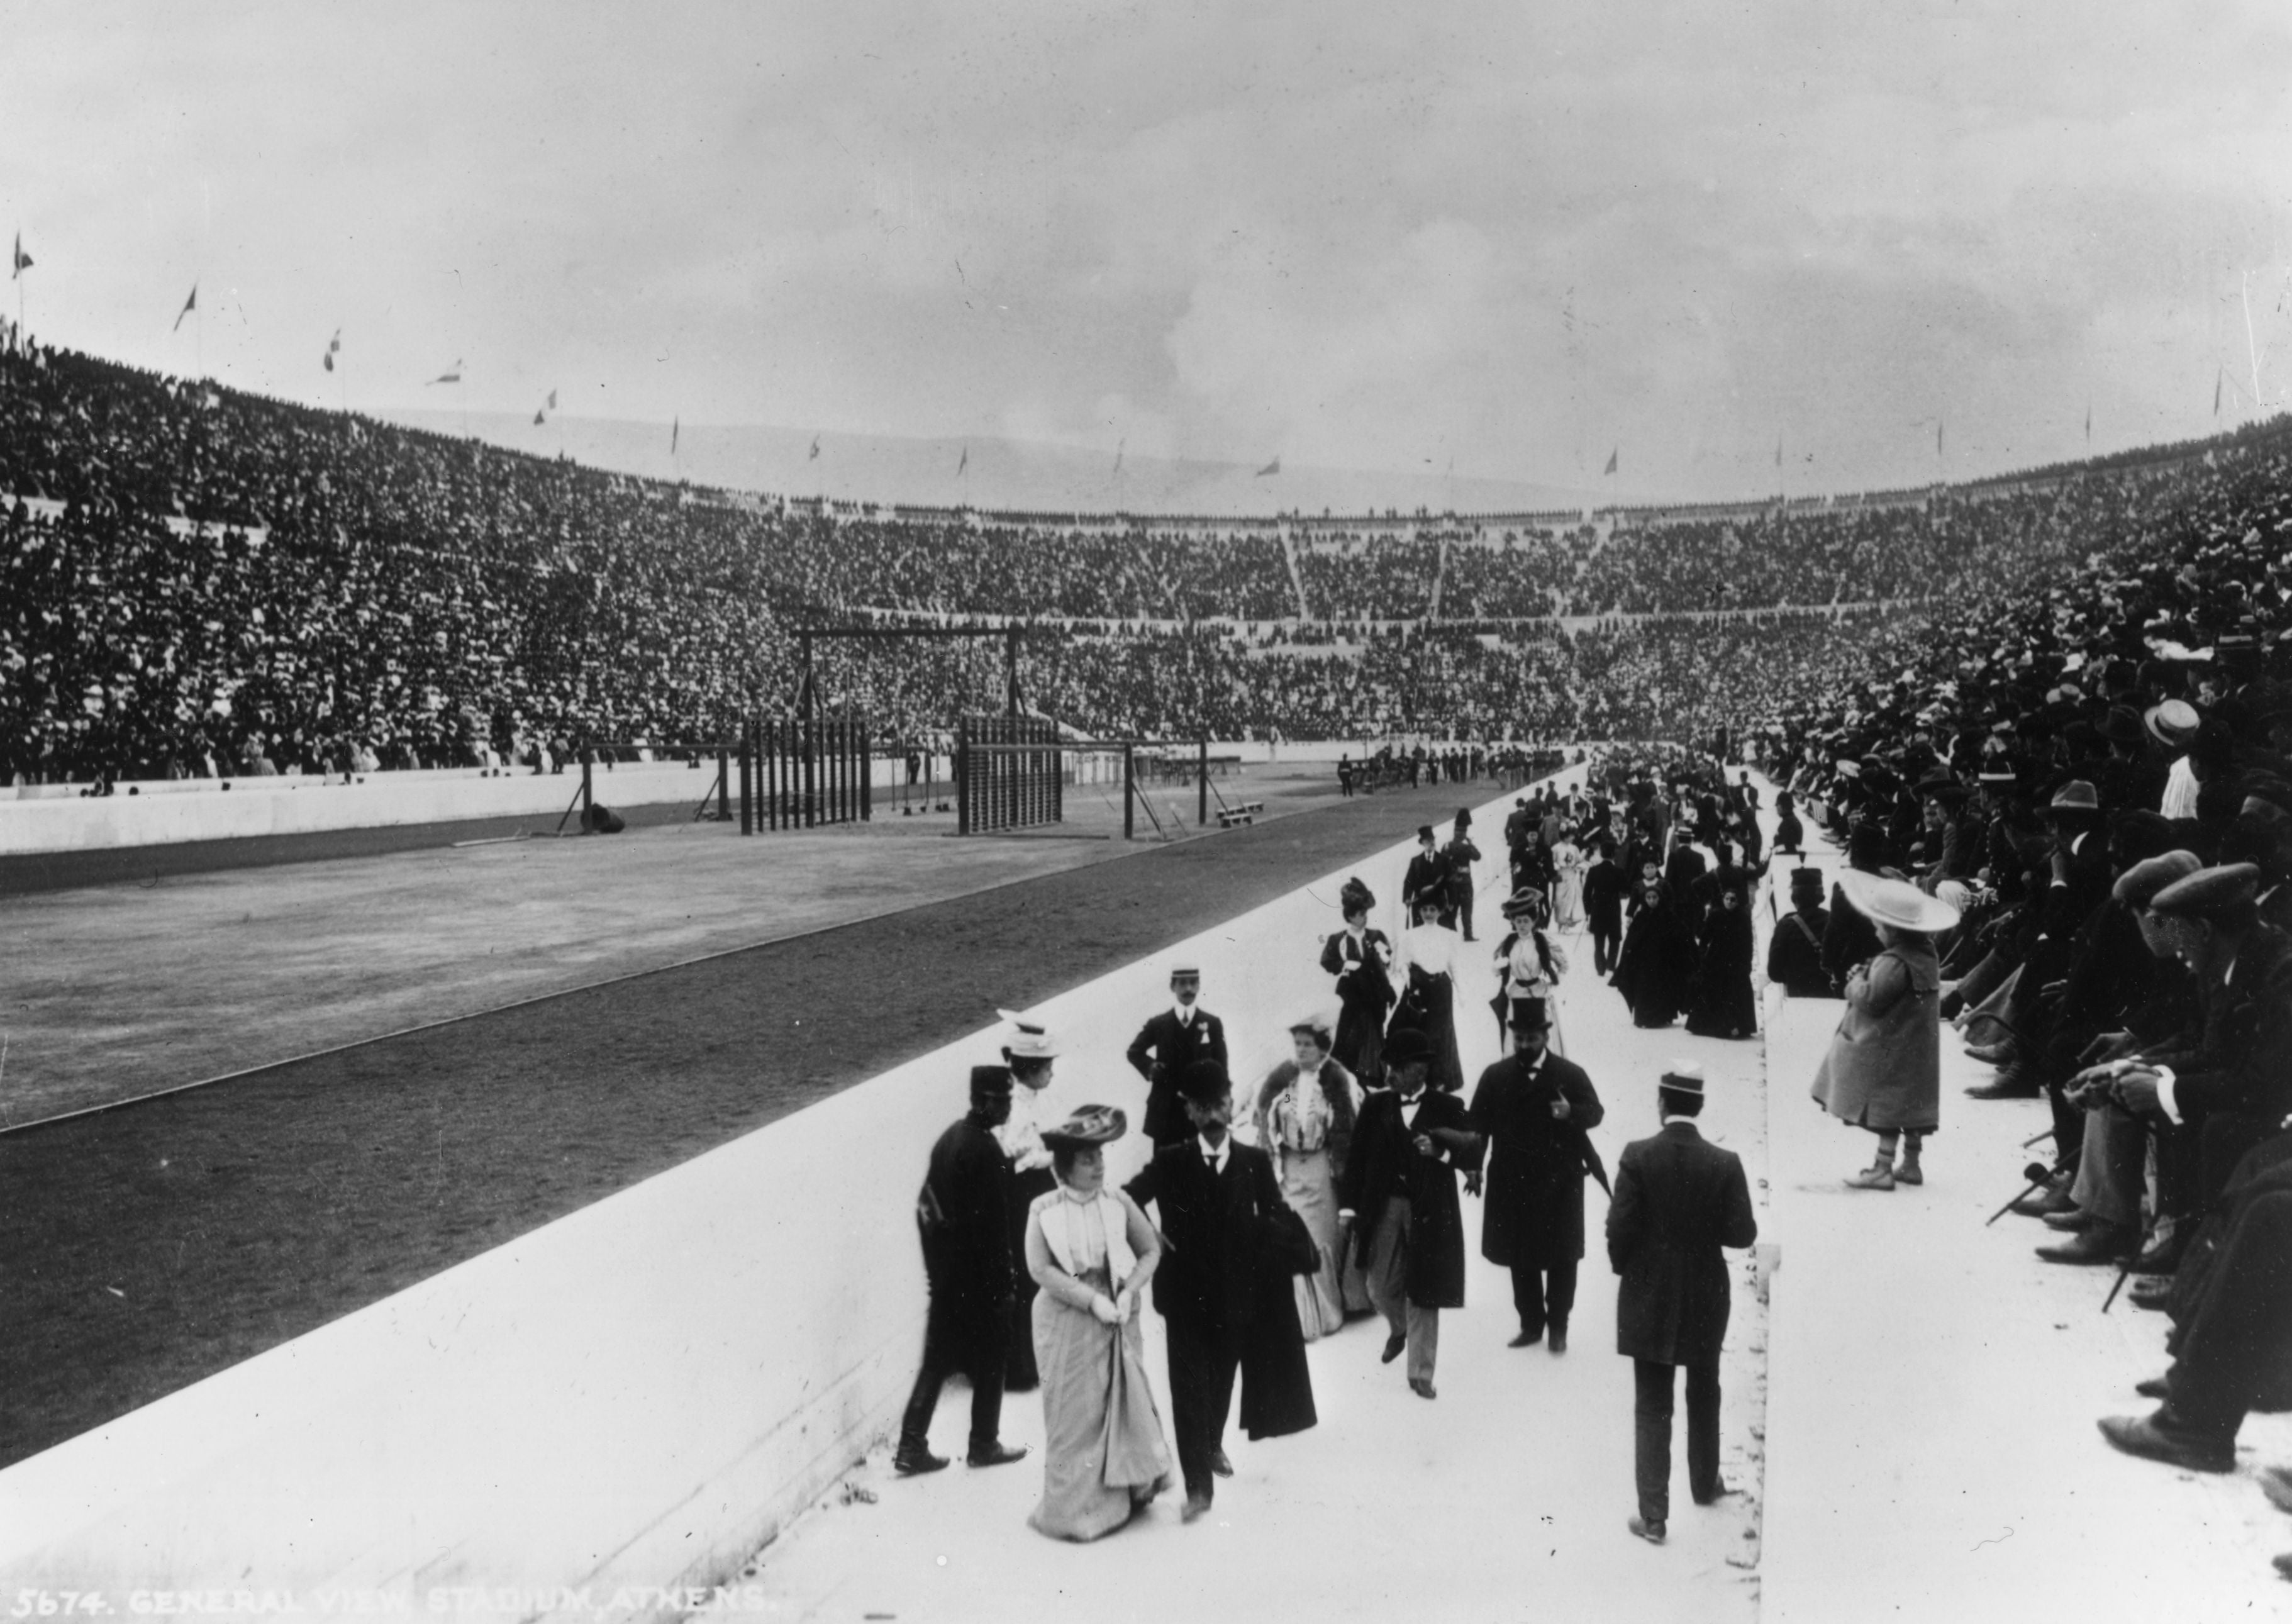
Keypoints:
(1895, 902)
(1527, 900)
(2172, 724)
(2122, 725)
(1029, 1039)
(1089, 1125)
(2077, 795)
(1942, 784)
(1355, 898)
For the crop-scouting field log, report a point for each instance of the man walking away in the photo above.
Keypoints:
(1678, 1202)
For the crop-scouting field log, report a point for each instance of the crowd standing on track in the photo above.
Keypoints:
(1346, 1199)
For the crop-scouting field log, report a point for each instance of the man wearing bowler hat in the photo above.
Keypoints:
(1536, 1109)
(1678, 1202)
(1399, 1191)
(1212, 1198)
(1167, 1045)
(964, 1215)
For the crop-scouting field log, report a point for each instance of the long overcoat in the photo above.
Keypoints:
(1385, 1163)
(1532, 1209)
(1882, 1070)
(1678, 1202)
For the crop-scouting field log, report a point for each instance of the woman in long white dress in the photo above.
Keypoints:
(1091, 1252)
(1425, 969)
(1305, 1116)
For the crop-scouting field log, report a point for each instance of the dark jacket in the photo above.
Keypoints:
(1173, 1047)
(1678, 1202)
(1603, 897)
(1795, 955)
(963, 1215)
(1427, 876)
(1534, 1207)
(1215, 1223)
(2243, 1064)
(1385, 1163)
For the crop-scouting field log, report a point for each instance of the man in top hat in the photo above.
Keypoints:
(963, 1214)
(1678, 1202)
(2233, 1084)
(1399, 1191)
(1213, 1197)
(1170, 1043)
(1427, 876)
(1536, 1109)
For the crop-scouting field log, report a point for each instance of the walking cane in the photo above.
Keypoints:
(2121, 1275)
(2038, 1174)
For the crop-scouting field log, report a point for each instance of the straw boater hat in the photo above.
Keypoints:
(1090, 1125)
(1895, 902)
(1030, 1040)
(1682, 1080)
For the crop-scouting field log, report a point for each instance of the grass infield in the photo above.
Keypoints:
(143, 1249)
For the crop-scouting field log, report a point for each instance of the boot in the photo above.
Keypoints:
(915, 1457)
(1907, 1171)
(2098, 1243)
(1879, 1176)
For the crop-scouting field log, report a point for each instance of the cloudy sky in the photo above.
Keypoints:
(1500, 239)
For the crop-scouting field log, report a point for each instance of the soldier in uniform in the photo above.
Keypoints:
(965, 1215)
(1537, 1111)
(1678, 1202)
(1166, 1045)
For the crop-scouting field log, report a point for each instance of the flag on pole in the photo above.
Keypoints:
(452, 375)
(552, 400)
(1610, 468)
(2088, 422)
(676, 428)
(536, 418)
(962, 463)
(189, 305)
(1118, 452)
(2217, 376)
(334, 346)
(1937, 437)
(19, 261)
(1272, 467)
(812, 456)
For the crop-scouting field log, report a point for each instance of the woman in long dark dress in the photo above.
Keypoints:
(1658, 958)
(1361, 960)
(1724, 1006)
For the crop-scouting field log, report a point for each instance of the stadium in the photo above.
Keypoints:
(508, 899)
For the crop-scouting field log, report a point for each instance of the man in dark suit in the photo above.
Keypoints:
(1459, 855)
(1399, 1191)
(1213, 1197)
(1604, 884)
(1678, 1202)
(1427, 876)
(1170, 1043)
(964, 1215)
(1537, 1109)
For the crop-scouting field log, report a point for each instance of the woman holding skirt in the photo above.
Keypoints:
(1425, 967)
(1304, 1117)
(1091, 1252)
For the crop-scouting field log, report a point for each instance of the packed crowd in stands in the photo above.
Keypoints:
(201, 582)
(2093, 779)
